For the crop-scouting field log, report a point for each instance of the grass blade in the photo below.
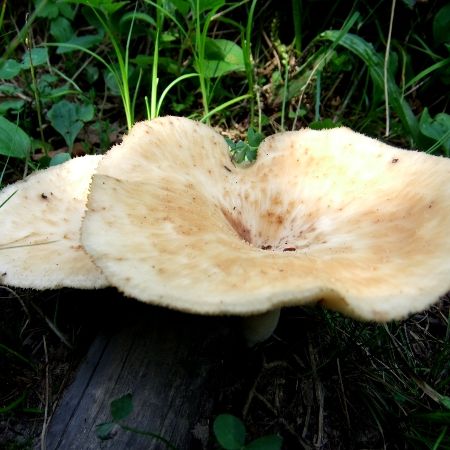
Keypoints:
(365, 51)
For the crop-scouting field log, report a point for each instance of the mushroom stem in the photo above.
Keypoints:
(260, 327)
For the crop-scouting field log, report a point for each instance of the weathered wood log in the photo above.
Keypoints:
(170, 362)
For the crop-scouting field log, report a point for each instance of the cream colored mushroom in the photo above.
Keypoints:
(40, 222)
(327, 216)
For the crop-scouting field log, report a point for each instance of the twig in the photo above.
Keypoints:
(44, 425)
(251, 394)
(300, 439)
(319, 395)
(52, 326)
(344, 400)
(386, 63)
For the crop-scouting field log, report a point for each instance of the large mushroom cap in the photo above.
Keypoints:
(40, 229)
(329, 215)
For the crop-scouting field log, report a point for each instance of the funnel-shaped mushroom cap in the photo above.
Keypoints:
(40, 222)
(330, 216)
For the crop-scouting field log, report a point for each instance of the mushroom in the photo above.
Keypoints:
(327, 216)
(41, 219)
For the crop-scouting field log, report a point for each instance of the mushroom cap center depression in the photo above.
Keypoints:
(278, 228)
(274, 206)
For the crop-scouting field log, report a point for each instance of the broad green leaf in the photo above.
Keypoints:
(168, 64)
(221, 57)
(59, 159)
(106, 6)
(13, 104)
(68, 119)
(49, 86)
(441, 25)
(111, 83)
(9, 89)
(66, 10)
(375, 64)
(182, 6)
(9, 69)
(51, 9)
(86, 41)
(14, 142)
(323, 124)
(47, 9)
(271, 442)
(437, 129)
(409, 3)
(229, 431)
(36, 56)
(134, 16)
(61, 29)
(122, 407)
(104, 431)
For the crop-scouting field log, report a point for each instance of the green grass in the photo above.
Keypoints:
(75, 75)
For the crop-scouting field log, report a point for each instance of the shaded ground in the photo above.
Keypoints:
(322, 381)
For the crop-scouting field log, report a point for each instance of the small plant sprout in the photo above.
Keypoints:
(120, 409)
(230, 433)
(241, 151)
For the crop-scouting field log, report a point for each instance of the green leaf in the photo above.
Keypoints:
(229, 431)
(409, 3)
(181, 5)
(51, 9)
(324, 124)
(13, 104)
(59, 159)
(254, 138)
(104, 431)
(441, 25)
(46, 9)
(66, 10)
(14, 142)
(106, 6)
(9, 69)
(270, 442)
(208, 5)
(111, 83)
(445, 401)
(13, 404)
(375, 64)
(168, 64)
(122, 407)
(61, 29)
(86, 41)
(68, 119)
(245, 151)
(36, 56)
(437, 129)
(91, 73)
(134, 16)
(221, 57)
